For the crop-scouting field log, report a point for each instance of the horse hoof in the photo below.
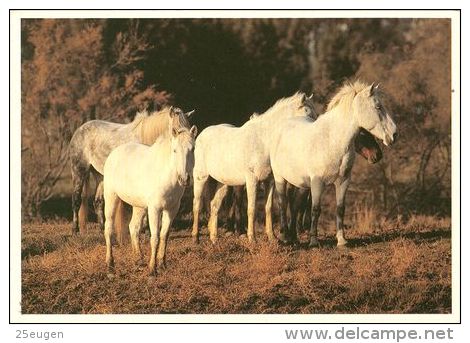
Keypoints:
(228, 233)
(161, 267)
(151, 278)
(196, 239)
(111, 276)
(342, 245)
(272, 238)
(243, 236)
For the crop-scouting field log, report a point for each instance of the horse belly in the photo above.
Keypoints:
(290, 163)
(228, 178)
(226, 166)
(299, 181)
(133, 200)
(131, 193)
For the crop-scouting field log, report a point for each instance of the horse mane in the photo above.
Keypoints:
(156, 124)
(346, 94)
(138, 119)
(294, 101)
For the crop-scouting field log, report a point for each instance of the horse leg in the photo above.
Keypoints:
(109, 212)
(99, 203)
(268, 211)
(230, 200)
(296, 207)
(316, 190)
(215, 206)
(199, 183)
(79, 205)
(301, 201)
(120, 223)
(307, 220)
(341, 188)
(251, 184)
(135, 226)
(167, 218)
(154, 221)
(282, 199)
(238, 210)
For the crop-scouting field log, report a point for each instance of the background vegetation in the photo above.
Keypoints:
(77, 70)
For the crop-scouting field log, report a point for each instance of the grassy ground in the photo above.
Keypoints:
(390, 268)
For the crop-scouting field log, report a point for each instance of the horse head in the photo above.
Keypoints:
(308, 105)
(182, 143)
(371, 114)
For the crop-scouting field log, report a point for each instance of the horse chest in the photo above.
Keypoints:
(169, 197)
(339, 168)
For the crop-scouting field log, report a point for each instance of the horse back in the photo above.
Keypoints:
(92, 142)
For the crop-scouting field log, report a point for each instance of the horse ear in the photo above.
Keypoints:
(310, 97)
(302, 99)
(373, 88)
(173, 112)
(193, 131)
(188, 114)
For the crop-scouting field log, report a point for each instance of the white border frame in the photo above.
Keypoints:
(15, 166)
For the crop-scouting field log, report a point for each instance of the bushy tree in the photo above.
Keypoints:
(68, 77)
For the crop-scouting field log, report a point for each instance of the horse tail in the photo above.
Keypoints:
(120, 223)
(83, 211)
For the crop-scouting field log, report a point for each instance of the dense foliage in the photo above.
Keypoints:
(77, 70)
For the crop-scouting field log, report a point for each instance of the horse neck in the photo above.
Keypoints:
(270, 125)
(343, 126)
(161, 151)
(151, 128)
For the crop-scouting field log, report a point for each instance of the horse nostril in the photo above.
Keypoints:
(395, 136)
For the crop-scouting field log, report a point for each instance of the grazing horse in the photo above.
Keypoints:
(93, 142)
(149, 178)
(364, 145)
(312, 154)
(236, 156)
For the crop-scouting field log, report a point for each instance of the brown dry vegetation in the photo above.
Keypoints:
(390, 268)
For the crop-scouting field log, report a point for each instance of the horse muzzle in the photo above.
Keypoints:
(372, 156)
(390, 139)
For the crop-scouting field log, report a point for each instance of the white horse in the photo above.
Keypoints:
(148, 177)
(312, 154)
(237, 156)
(92, 143)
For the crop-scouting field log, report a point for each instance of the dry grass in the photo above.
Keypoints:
(365, 218)
(396, 268)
